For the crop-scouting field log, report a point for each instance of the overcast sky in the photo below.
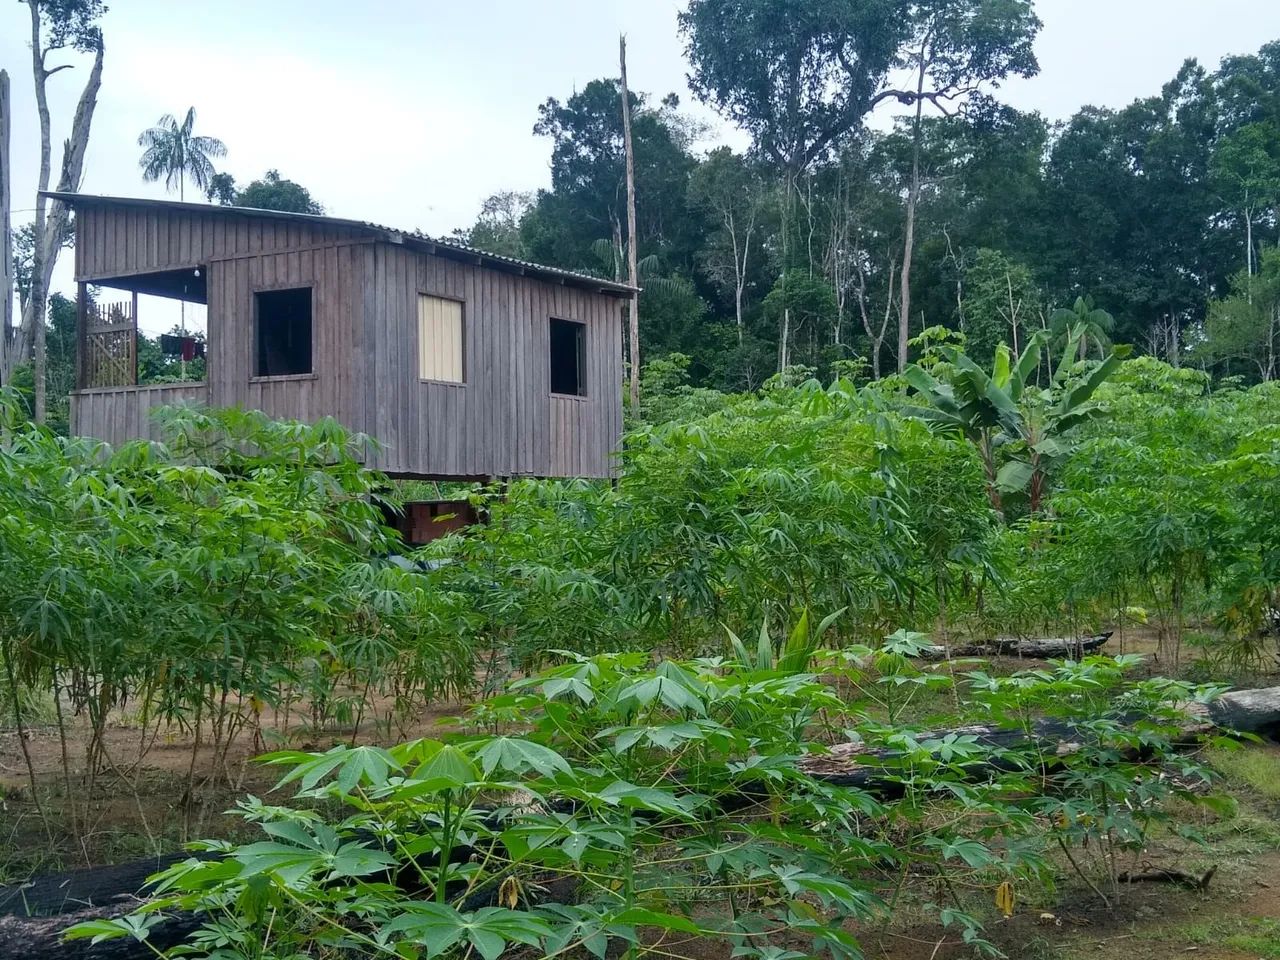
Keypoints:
(411, 113)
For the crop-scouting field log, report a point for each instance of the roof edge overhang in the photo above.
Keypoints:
(449, 249)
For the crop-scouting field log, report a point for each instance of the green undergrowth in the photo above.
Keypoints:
(1259, 936)
(1254, 767)
(610, 800)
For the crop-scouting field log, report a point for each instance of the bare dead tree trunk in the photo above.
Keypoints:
(739, 268)
(738, 279)
(913, 198)
(1248, 248)
(632, 269)
(788, 214)
(1271, 343)
(33, 315)
(52, 218)
(6, 233)
(876, 338)
(1013, 312)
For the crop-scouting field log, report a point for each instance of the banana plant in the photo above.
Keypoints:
(1005, 409)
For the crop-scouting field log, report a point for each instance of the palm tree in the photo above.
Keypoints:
(174, 154)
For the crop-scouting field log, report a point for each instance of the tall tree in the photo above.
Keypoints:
(497, 228)
(587, 200)
(1246, 169)
(798, 75)
(174, 152)
(732, 193)
(1000, 302)
(1130, 215)
(956, 46)
(271, 192)
(56, 25)
(1245, 326)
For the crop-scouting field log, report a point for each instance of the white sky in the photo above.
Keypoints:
(411, 113)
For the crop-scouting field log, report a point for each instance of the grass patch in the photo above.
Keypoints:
(1252, 766)
(1259, 935)
(1246, 834)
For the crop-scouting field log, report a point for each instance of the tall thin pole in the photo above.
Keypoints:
(632, 270)
(6, 233)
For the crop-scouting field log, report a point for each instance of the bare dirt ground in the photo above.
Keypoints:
(144, 806)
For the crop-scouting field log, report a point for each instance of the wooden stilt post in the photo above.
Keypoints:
(133, 344)
(82, 335)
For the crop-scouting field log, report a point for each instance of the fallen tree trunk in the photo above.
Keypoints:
(1043, 649)
(1247, 711)
(1180, 877)
(34, 914)
(860, 765)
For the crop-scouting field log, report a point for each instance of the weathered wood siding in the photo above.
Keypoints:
(502, 421)
(120, 241)
(329, 389)
(120, 414)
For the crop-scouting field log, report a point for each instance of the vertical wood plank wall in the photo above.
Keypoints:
(120, 414)
(503, 421)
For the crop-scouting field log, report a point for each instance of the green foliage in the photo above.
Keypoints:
(235, 568)
(173, 152)
(1001, 304)
(613, 802)
(272, 192)
(1006, 410)
(1158, 502)
(1242, 331)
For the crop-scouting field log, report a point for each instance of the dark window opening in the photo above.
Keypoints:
(568, 357)
(284, 333)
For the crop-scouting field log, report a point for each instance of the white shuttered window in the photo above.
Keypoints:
(439, 339)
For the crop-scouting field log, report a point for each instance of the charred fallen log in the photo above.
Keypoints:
(1042, 649)
(33, 914)
(1248, 711)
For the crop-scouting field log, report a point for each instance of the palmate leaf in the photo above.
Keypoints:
(513, 755)
(446, 768)
(664, 689)
(975, 854)
(134, 925)
(536, 836)
(438, 927)
(369, 766)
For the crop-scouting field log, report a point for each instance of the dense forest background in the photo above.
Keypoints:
(888, 200)
(1162, 216)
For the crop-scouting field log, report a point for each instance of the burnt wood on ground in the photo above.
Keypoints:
(859, 765)
(1248, 711)
(1045, 648)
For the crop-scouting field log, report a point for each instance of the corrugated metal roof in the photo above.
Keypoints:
(435, 245)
